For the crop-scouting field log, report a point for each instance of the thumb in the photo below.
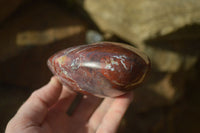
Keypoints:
(34, 110)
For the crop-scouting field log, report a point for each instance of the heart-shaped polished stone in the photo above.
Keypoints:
(102, 69)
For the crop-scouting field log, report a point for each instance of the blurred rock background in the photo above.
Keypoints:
(166, 30)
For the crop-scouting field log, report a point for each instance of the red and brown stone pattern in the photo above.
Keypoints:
(102, 69)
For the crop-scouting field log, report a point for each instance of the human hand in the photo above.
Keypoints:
(45, 112)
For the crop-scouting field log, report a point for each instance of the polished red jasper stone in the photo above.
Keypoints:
(102, 69)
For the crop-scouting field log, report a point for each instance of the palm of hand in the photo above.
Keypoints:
(45, 112)
(57, 121)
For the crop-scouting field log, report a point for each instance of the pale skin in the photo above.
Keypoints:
(45, 112)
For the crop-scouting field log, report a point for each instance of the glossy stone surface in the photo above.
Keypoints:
(102, 69)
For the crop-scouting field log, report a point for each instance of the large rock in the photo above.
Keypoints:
(139, 20)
